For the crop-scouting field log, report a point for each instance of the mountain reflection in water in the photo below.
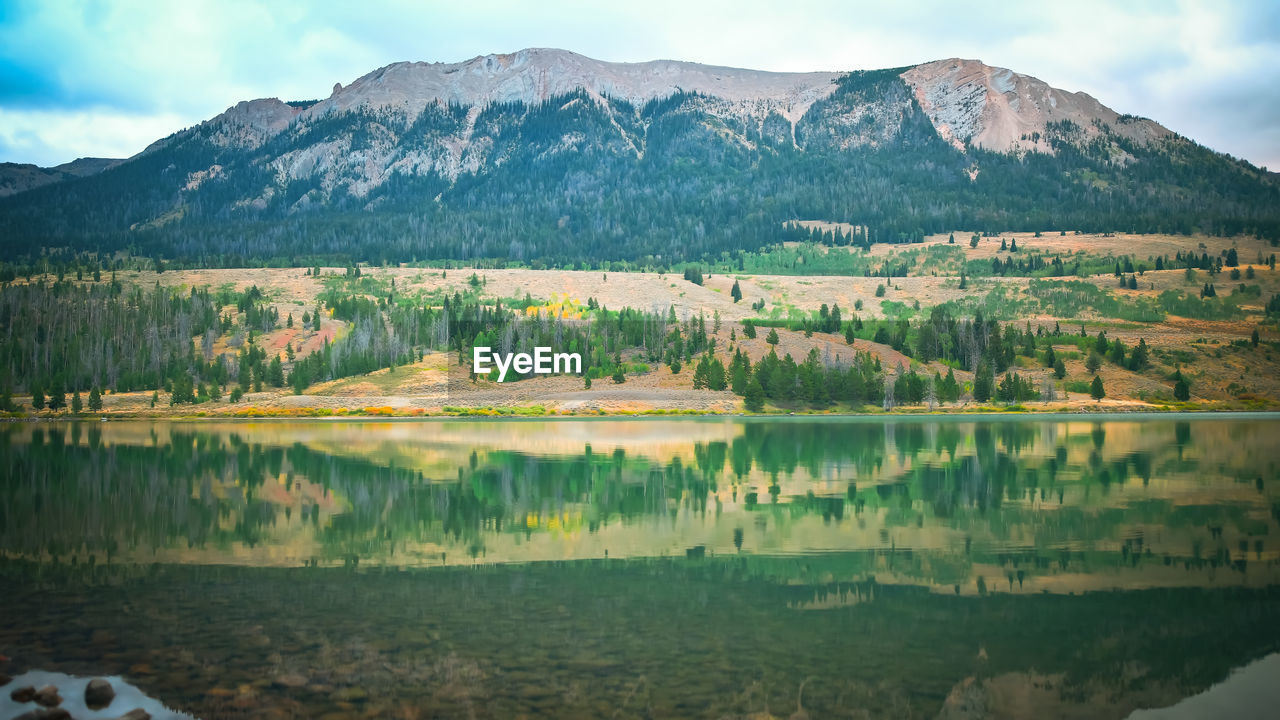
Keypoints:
(649, 568)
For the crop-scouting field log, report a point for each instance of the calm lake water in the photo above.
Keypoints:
(956, 568)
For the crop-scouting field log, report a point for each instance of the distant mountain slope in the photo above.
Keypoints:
(20, 177)
(545, 155)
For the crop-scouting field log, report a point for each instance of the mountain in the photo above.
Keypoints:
(20, 177)
(548, 156)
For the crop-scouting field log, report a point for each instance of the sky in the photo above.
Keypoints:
(105, 79)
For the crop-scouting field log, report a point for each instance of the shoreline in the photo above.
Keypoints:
(553, 415)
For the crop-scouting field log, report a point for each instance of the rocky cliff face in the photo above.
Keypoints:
(997, 109)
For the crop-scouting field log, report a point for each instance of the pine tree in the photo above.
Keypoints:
(772, 337)
(1093, 362)
(754, 398)
(76, 404)
(37, 396)
(1181, 390)
(1059, 369)
(984, 382)
(715, 374)
(1140, 356)
(1095, 390)
(57, 398)
(736, 292)
(95, 399)
(275, 373)
(700, 374)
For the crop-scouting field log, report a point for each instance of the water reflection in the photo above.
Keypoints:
(1022, 506)
(641, 569)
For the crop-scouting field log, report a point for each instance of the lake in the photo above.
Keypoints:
(637, 568)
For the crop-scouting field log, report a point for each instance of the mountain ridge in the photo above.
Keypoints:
(547, 153)
(20, 177)
(535, 75)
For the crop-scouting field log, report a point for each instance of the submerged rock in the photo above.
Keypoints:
(48, 696)
(135, 714)
(45, 714)
(292, 680)
(98, 694)
(23, 694)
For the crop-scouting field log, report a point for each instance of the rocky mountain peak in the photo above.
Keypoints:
(535, 75)
(970, 102)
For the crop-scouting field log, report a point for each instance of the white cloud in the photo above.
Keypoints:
(52, 137)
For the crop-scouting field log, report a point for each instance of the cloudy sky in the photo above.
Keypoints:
(99, 78)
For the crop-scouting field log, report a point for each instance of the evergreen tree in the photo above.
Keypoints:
(1059, 369)
(772, 337)
(95, 399)
(275, 373)
(1096, 390)
(700, 374)
(37, 396)
(76, 404)
(1093, 362)
(715, 374)
(950, 388)
(1140, 356)
(57, 398)
(735, 292)
(1181, 390)
(1116, 352)
(754, 398)
(983, 382)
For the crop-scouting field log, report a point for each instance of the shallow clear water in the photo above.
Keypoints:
(645, 568)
